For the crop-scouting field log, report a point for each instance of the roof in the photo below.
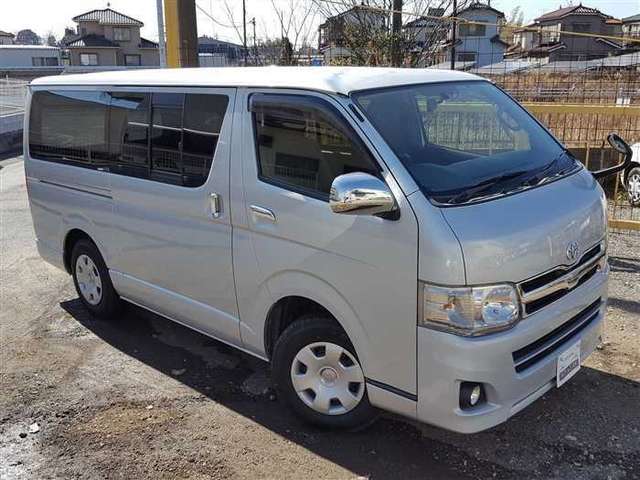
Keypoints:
(632, 18)
(144, 43)
(107, 17)
(342, 80)
(28, 47)
(481, 6)
(92, 40)
(572, 10)
(6, 34)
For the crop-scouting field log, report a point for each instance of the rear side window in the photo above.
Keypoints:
(303, 144)
(69, 127)
(165, 137)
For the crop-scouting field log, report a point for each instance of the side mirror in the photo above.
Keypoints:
(362, 194)
(620, 146)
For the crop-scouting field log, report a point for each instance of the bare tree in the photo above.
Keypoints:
(363, 30)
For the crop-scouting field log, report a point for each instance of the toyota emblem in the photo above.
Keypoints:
(572, 251)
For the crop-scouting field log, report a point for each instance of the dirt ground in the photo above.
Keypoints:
(142, 397)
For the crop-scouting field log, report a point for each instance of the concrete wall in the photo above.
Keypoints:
(22, 56)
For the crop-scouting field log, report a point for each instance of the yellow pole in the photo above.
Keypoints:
(182, 33)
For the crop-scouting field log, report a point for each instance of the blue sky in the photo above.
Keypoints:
(47, 15)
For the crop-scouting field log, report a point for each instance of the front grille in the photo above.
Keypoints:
(545, 289)
(528, 356)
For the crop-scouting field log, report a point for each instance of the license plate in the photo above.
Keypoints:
(568, 364)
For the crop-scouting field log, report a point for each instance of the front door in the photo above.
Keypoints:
(361, 268)
(171, 189)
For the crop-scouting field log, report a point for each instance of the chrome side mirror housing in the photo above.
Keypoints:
(362, 194)
(620, 146)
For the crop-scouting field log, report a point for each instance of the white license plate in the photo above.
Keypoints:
(568, 364)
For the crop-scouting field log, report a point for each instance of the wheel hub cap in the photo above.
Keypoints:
(327, 378)
(89, 280)
(633, 186)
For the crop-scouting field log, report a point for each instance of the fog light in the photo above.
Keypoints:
(471, 394)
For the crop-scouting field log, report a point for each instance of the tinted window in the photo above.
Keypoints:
(304, 145)
(166, 137)
(69, 126)
(129, 133)
(203, 115)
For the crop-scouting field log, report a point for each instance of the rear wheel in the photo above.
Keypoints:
(316, 371)
(92, 281)
(633, 186)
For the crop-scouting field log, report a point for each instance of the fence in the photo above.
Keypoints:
(12, 96)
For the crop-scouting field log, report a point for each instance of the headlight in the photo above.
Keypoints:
(470, 310)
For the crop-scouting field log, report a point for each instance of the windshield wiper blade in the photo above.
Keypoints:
(543, 174)
(484, 186)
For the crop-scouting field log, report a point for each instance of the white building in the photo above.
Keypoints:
(29, 56)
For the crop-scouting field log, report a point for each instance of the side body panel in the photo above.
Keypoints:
(170, 252)
(363, 269)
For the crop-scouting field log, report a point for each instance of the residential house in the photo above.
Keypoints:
(427, 32)
(477, 36)
(110, 38)
(351, 27)
(26, 57)
(218, 53)
(554, 41)
(6, 38)
(631, 30)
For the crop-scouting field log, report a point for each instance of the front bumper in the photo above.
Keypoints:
(446, 360)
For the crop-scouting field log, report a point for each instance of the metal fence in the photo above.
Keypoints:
(12, 96)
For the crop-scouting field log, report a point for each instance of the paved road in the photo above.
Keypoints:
(141, 397)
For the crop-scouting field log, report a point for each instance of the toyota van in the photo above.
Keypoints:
(408, 240)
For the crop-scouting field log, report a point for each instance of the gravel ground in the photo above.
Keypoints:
(142, 397)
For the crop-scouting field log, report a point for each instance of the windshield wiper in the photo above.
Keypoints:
(543, 174)
(484, 186)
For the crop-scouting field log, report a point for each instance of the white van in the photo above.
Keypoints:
(411, 240)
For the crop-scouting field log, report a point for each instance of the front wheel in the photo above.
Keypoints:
(316, 371)
(633, 186)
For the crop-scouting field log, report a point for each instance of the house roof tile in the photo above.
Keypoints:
(107, 17)
(572, 10)
(92, 40)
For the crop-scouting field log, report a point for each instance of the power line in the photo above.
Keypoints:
(207, 14)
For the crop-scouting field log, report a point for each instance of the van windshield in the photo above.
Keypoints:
(464, 141)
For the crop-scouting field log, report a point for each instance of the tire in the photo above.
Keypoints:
(92, 281)
(633, 186)
(328, 375)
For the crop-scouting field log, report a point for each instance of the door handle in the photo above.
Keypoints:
(216, 205)
(262, 212)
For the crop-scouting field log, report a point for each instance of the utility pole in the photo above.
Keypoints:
(163, 47)
(244, 30)
(396, 31)
(453, 35)
(255, 45)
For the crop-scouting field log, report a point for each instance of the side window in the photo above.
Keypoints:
(129, 134)
(69, 127)
(203, 116)
(166, 137)
(303, 144)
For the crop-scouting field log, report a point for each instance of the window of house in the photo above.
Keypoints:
(472, 30)
(467, 57)
(132, 60)
(121, 34)
(581, 27)
(69, 127)
(89, 59)
(303, 144)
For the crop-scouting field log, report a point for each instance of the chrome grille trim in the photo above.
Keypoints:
(566, 282)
